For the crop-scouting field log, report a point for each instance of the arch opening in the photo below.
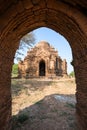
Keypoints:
(42, 71)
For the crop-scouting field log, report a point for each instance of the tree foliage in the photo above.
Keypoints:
(72, 74)
(15, 70)
(26, 42)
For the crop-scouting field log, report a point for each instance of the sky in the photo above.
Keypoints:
(57, 41)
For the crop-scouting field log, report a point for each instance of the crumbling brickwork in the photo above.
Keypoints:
(17, 18)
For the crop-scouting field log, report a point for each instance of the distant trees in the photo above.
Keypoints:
(72, 74)
(15, 70)
(26, 42)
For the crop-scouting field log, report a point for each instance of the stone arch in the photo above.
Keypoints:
(66, 17)
(42, 68)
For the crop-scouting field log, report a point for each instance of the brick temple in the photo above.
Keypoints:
(42, 60)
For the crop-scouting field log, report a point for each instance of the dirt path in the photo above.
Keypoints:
(43, 105)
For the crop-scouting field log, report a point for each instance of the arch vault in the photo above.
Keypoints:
(18, 17)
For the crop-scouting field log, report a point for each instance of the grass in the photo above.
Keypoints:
(39, 102)
(54, 110)
(30, 93)
(17, 86)
(63, 113)
(70, 105)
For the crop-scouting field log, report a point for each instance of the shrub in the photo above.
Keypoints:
(72, 74)
(15, 70)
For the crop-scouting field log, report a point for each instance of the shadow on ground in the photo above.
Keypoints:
(53, 112)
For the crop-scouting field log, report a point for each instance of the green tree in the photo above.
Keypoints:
(72, 74)
(15, 70)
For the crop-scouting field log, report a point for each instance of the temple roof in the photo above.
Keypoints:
(42, 44)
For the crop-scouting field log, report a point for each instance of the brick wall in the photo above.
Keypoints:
(22, 16)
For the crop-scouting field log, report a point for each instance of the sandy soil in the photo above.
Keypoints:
(43, 104)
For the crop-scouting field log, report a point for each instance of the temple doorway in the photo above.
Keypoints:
(42, 68)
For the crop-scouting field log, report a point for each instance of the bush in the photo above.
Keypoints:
(15, 70)
(72, 74)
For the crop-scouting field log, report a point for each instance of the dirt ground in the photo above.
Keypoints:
(43, 104)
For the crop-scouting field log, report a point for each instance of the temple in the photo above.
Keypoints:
(42, 61)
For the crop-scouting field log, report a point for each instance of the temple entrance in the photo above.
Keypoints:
(42, 68)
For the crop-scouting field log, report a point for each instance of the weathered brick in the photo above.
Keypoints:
(67, 17)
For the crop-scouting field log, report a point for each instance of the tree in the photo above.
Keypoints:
(72, 74)
(15, 70)
(26, 42)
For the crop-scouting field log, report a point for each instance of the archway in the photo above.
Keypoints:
(20, 17)
(42, 68)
